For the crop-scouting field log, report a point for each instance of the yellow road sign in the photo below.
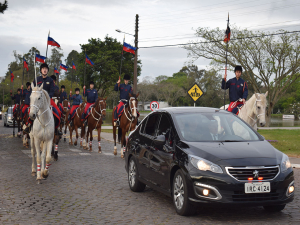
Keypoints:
(195, 92)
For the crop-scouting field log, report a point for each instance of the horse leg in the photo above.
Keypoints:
(47, 150)
(99, 139)
(91, 139)
(56, 140)
(43, 157)
(33, 152)
(70, 138)
(122, 143)
(38, 160)
(65, 133)
(86, 144)
(115, 137)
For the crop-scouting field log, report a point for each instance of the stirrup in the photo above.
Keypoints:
(117, 123)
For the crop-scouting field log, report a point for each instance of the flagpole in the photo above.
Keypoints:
(12, 104)
(35, 70)
(121, 61)
(72, 75)
(226, 63)
(23, 75)
(47, 45)
(84, 74)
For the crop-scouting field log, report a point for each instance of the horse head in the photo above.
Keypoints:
(100, 106)
(65, 104)
(133, 103)
(260, 109)
(36, 100)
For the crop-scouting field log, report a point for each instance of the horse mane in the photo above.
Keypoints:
(47, 96)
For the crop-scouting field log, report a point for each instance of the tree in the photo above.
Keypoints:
(3, 6)
(146, 90)
(106, 56)
(72, 57)
(54, 61)
(171, 93)
(272, 60)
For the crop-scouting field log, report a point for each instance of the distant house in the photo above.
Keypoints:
(146, 106)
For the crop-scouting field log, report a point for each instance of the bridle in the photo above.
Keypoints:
(257, 115)
(99, 114)
(130, 112)
(38, 109)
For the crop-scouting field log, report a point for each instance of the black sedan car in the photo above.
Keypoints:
(207, 156)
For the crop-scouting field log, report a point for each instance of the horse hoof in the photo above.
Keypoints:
(115, 153)
(33, 174)
(38, 181)
(75, 144)
(65, 139)
(122, 156)
(44, 176)
(99, 151)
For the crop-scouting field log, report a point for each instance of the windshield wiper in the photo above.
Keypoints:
(230, 141)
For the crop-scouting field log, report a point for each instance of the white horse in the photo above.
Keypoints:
(42, 131)
(253, 110)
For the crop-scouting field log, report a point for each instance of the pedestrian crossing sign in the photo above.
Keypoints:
(195, 92)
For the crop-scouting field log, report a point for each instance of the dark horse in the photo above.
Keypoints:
(128, 122)
(64, 116)
(94, 121)
(17, 117)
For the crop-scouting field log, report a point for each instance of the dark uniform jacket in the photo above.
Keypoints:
(56, 91)
(77, 99)
(237, 89)
(48, 84)
(63, 96)
(124, 90)
(26, 96)
(17, 98)
(91, 94)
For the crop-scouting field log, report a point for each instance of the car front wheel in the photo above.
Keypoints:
(180, 195)
(134, 184)
(274, 208)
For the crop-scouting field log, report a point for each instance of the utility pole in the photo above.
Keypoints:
(136, 54)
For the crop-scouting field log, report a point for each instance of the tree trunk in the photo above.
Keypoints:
(268, 114)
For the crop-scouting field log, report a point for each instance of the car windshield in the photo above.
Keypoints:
(198, 127)
(9, 111)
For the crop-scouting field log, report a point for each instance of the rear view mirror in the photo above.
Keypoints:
(160, 140)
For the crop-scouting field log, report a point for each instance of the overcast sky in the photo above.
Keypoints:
(26, 23)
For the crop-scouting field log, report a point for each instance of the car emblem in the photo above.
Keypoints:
(255, 173)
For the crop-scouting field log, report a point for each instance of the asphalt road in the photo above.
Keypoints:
(92, 188)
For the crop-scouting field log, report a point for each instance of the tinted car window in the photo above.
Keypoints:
(151, 124)
(164, 125)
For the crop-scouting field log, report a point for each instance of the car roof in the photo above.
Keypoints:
(179, 110)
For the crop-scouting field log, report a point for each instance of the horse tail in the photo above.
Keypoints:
(119, 134)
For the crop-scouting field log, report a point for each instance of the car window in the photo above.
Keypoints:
(9, 110)
(165, 128)
(214, 127)
(151, 124)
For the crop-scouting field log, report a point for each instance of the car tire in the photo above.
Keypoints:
(134, 184)
(274, 208)
(180, 195)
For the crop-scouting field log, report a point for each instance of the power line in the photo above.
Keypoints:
(233, 39)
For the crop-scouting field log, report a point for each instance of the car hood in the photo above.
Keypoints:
(236, 153)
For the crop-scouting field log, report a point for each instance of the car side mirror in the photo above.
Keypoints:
(160, 140)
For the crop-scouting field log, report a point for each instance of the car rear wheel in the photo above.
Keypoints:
(274, 208)
(180, 195)
(134, 184)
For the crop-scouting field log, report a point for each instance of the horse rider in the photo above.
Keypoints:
(238, 89)
(63, 94)
(17, 98)
(92, 96)
(26, 96)
(49, 86)
(56, 88)
(77, 100)
(124, 89)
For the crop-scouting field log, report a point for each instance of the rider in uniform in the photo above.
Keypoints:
(26, 96)
(17, 98)
(124, 89)
(63, 94)
(92, 96)
(238, 89)
(49, 86)
(77, 100)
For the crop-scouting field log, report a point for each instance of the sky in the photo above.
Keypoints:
(26, 24)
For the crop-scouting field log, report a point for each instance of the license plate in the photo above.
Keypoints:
(258, 187)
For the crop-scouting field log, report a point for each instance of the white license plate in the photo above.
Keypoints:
(258, 187)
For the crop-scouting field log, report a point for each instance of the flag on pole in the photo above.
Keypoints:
(12, 77)
(56, 71)
(64, 67)
(128, 48)
(39, 58)
(25, 64)
(227, 32)
(52, 42)
(73, 66)
(87, 59)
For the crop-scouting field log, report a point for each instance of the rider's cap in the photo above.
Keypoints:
(27, 84)
(238, 68)
(126, 77)
(92, 82)
(63, 86)
(77, 89)
(53, 77)
(19, 89)
(44, 65)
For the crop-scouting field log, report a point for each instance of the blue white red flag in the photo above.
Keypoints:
(73, 66)
(64, 67)
(52, 42)
(12, 77)
(25, 65)
(128, 48)
(39, 58)
(56, 71)
(87, 59)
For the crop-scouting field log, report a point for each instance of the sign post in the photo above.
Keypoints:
(154, 105)
(195, 93)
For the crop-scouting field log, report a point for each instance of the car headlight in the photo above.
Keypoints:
(9, 117)
(285, 163)
(205, 165)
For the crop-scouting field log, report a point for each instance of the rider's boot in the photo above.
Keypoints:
(117, 123)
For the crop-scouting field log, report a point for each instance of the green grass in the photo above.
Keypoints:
(276, 115)
(288, 140)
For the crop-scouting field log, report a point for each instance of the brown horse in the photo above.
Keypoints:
(94, 121)
(76, 124)
(64, 117)
(25, 135)
(17, 118)
(128, 122)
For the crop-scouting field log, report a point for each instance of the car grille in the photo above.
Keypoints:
(243, 173)
(240, 196)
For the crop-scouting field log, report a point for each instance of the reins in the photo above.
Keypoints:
(38, 109)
